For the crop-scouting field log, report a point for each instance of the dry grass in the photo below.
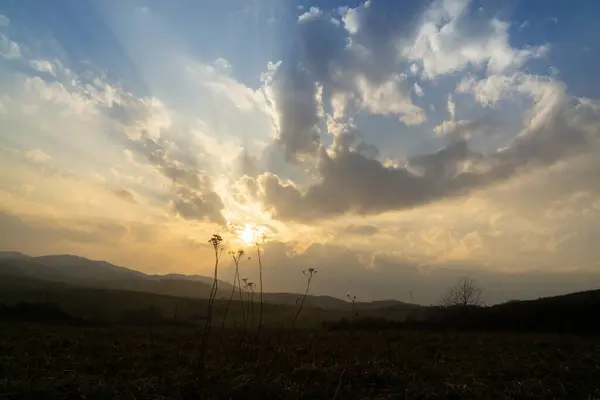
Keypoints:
(127, 362)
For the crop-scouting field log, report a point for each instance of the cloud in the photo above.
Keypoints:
(297, 109)
(363, 230)
(223, 64)
(557, 126)
(140, 125)
(124, 194)
(355, 61)
(43, 66)
(9, 49)
(37, 156)
(418, 90)
(391, 97)
(312, 13)
(452, 36)
(451, 108)
(196, 198)
(4, 21)
(194, 206)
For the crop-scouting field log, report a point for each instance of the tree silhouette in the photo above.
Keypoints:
(465, 293)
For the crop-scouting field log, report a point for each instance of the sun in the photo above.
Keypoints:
(249, 234)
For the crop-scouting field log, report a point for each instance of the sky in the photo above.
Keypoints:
(393, 146)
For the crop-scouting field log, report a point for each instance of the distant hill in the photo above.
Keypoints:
(84, 269)
(12, 255)
(574, 313)
(80, 271)
(83, 272)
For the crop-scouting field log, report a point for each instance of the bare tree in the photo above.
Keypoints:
(465, 293)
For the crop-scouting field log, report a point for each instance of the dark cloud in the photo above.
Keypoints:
(124, 194)
(296, 102)
(363, 230)
(353, 54)
(352, 182)
(193, 206)
(348, 56)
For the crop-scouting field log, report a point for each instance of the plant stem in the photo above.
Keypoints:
(260, 318)
(301, 302)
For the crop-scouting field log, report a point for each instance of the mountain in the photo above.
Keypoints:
(12, 255)
(194, 278)
(80, 271)
(83, 272)
(80, 268)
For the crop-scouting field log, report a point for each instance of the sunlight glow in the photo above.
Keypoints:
(250, 234)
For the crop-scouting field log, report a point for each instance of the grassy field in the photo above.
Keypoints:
(43, 361)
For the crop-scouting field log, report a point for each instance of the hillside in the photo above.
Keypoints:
(82, 272)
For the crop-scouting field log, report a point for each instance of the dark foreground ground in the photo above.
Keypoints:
(41, 361)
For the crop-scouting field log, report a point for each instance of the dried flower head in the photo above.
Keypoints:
(215, 241)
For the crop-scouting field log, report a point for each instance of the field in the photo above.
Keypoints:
(59, 361)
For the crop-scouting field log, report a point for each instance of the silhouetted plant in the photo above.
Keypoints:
(236, 256)
(215, 241)
(249, 288)
(260, 267)
(309, 274)
(353, 300)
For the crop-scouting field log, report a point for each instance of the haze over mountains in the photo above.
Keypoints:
(80, 271)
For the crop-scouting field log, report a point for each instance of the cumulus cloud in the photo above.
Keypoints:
(453, 35)
(312, 13)
(194, 206)
(557, 126)
(357, 62)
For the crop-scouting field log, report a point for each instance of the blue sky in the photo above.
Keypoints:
(423, 135)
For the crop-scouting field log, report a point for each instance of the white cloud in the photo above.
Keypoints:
(418, 90)
(43, 66)
(447, 127)
(57, 93)
(448, 41)
(222, 64)
(391, 97)
(451, 107)
(240, 95)
(9, 49)
(4, 21)
(37, 156)
(312, 13)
